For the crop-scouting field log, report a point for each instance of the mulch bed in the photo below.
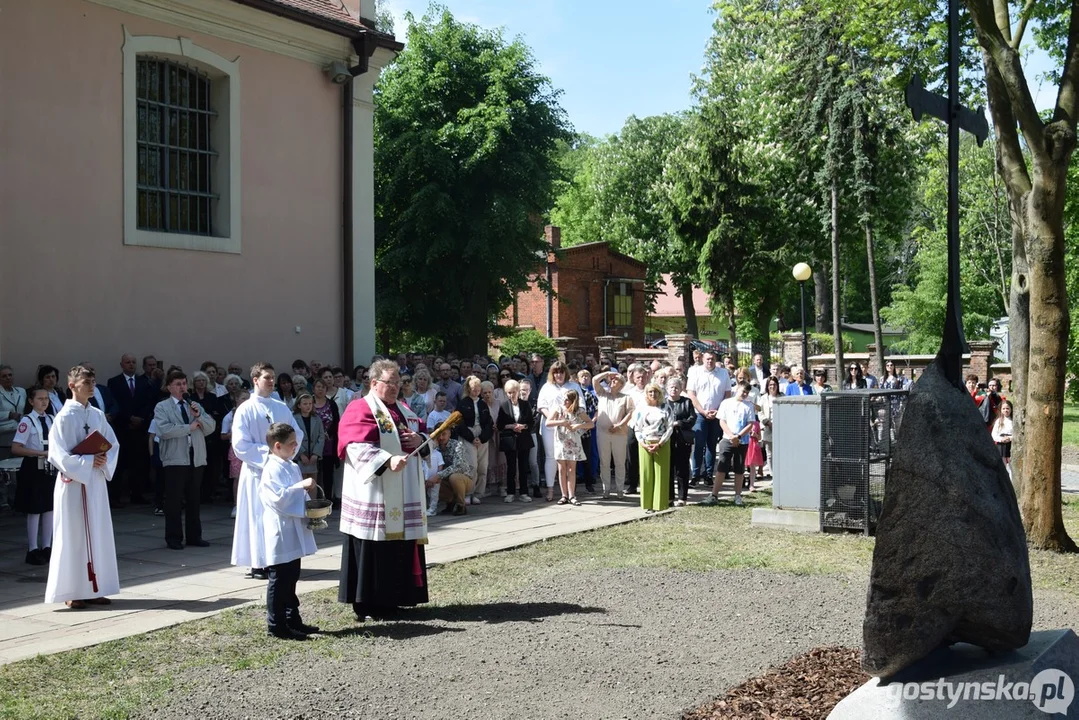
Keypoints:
(805, 688)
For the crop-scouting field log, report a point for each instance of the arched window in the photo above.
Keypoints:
(181, 146)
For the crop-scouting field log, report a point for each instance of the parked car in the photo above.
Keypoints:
(702, 345)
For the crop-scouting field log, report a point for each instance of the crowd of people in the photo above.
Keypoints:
(530, 430)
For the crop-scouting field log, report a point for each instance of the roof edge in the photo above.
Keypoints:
(361, 27)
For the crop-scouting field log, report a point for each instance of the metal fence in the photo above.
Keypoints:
(858, 433)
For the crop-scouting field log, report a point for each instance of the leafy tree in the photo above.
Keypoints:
(1036, 184)
(919, 304)
(529, 341)
(465, 134)
(618, 195)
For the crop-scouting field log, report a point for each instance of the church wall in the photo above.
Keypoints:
(71, 290)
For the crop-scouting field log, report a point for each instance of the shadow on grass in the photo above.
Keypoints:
(501, 612)
(391, 630)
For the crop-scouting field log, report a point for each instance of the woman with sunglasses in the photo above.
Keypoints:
(854, 380)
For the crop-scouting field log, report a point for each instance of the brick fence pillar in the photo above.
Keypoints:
(608, 346)
(678, 347)
(562, 344)
(981, 356)
(792, 349)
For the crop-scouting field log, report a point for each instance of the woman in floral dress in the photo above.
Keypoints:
(569, 423)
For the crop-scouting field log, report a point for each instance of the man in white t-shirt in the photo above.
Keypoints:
(736, 417)
(707, 388)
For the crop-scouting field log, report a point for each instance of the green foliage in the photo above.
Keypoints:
(529, 341)
(465, 166)
(383, 17)
(985, 237)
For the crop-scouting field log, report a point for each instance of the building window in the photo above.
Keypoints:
(620, 305)
(584, 309)
(181, 146)
(175, 184)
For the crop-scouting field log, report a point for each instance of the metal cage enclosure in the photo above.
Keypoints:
(858, 433)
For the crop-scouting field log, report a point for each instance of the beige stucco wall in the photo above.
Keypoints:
(71, 290)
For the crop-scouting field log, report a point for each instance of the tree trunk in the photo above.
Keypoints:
(837, 327)
(878, 334)
(732, 329)
(477, 339)
(822, 298)
(686, 291)
(1040, 499)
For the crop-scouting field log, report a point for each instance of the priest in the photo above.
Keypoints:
(83, 567)
(250, 423)
(383, 567)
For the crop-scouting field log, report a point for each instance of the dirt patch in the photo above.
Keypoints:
(807, 687)
(630, 643)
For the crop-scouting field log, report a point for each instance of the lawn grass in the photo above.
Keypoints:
(1071, 424)
(114, 679)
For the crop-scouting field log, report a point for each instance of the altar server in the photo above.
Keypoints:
(251, 422)
(283, 492)
(83, 569)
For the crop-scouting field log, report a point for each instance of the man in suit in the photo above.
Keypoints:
(12, 408)
(182, 427)
(102, 398)
(134, 401)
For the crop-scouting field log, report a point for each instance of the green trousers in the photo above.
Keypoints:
(655, 477)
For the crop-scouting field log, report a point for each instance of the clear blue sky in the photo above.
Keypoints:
(611, 58)
(616, 58)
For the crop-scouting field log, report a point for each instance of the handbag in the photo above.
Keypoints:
(507, 442)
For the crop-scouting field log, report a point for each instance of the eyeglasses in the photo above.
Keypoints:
(391, 383)
(504, 377)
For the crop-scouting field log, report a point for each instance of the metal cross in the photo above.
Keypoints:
(86, 428)
(922, 102)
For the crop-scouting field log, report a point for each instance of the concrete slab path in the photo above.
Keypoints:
(162, 587)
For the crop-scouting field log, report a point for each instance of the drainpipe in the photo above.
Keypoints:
(606, 284)
(347, 259)
(550, 303)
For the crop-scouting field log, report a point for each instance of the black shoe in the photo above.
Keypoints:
(198, 543)
(257, 574)
(590, 489)
(536, 492)
(304, 628)
(34, 557)
(159, 511)
(285, 634)
(46, 553)
(460, 510)
(175, 546)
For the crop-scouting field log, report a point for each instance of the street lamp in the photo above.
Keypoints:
(803, 272)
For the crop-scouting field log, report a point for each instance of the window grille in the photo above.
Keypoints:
(175, 158)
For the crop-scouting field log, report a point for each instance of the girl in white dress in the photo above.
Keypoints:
(569, 423)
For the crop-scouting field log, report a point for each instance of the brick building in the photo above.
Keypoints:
(589, 281)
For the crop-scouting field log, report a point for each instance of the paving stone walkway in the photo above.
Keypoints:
(162, 587)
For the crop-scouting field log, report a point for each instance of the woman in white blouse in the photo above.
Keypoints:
(549, 404)
(766, 415)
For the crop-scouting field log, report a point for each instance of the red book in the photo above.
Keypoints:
(94, 443)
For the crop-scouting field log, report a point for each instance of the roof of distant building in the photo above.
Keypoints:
(868, 328)
(669, 304)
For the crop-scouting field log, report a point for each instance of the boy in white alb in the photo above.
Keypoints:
(250, 424)
(81, 499)
(286, 538)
